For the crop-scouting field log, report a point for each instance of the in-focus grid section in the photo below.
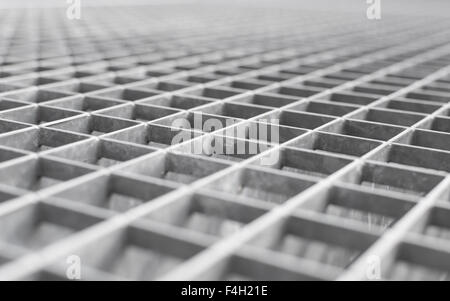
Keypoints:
(330, 146)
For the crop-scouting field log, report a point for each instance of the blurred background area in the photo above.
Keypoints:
(389, 7)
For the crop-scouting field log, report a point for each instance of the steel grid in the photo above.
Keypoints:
(88, 166)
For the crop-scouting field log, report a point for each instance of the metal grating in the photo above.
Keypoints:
(88, 168)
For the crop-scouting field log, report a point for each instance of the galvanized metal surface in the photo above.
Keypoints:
(88, 166)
